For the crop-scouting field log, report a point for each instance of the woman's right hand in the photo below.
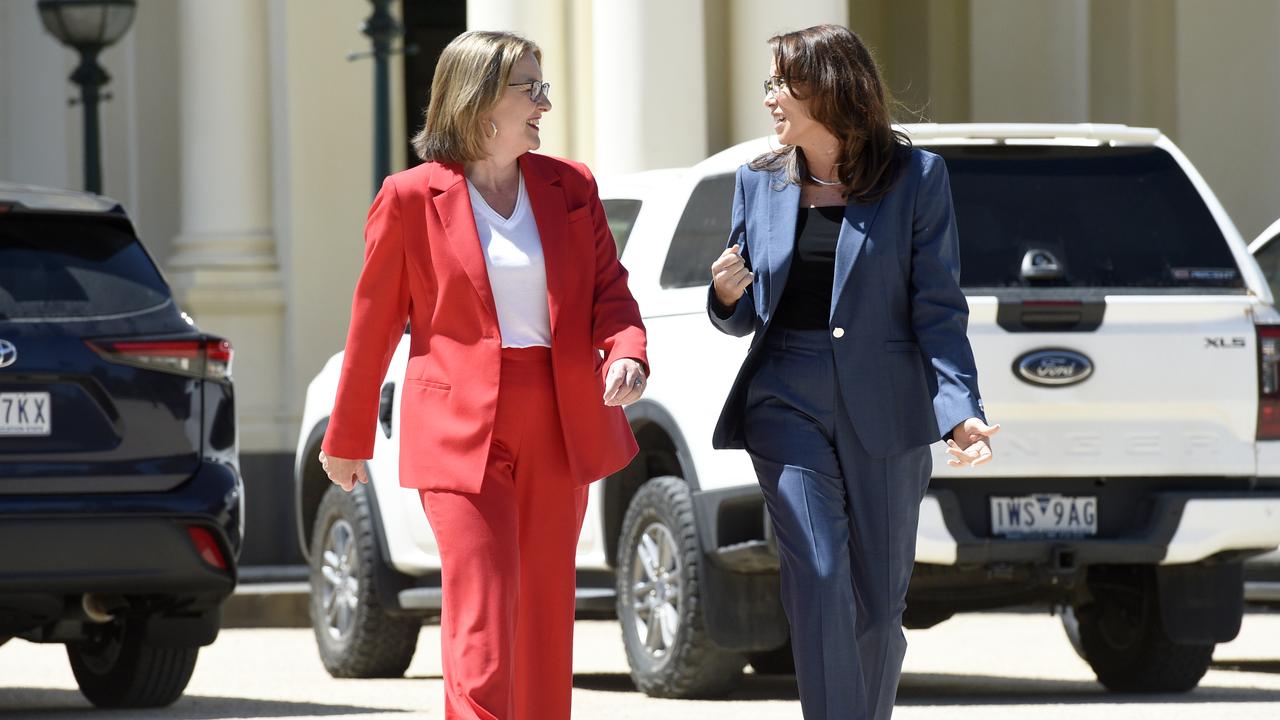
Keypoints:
(343, 472)
(730, 276)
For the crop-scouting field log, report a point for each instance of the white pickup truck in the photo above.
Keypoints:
(1125, 339)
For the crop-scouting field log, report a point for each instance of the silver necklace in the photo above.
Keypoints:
(826, 183)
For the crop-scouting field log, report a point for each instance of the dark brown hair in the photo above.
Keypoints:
(830, 68)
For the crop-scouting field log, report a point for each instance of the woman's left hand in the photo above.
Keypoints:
(970, 443)
(625, 382)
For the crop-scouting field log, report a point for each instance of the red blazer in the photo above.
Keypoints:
(423, 263)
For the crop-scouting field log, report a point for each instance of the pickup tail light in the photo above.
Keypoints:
(1269, 382)
(208, 358)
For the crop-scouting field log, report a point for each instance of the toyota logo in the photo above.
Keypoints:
(8, 353)
(1053, 367)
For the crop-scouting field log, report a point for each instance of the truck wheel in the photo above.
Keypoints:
(117, 669)
(659, 606)
(357, 638)
(1122, 638)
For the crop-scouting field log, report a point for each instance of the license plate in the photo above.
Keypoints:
(25, 413)
(1044, 515)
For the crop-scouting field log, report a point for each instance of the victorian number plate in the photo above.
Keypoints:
(1044, 515)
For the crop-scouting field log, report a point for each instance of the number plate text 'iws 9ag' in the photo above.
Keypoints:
(1044, 515)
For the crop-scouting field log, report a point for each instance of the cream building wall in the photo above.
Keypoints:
(239, 135)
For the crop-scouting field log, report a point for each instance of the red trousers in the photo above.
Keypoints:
(507, 560)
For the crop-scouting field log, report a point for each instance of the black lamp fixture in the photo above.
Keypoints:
(88, 26)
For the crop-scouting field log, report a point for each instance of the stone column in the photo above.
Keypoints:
(224, 270)
(1030, 61)
(650, 84)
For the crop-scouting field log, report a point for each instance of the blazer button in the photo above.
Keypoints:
(838, 333)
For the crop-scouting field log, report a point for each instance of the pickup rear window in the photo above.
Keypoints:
(1123, 218)
(73, 267)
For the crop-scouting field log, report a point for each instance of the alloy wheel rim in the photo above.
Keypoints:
(656, 584)
(340, 589)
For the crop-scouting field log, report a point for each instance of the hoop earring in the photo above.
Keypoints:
(495, 130)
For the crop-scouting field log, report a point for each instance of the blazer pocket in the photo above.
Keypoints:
(430, 384)
(580, 213)
(901, 346)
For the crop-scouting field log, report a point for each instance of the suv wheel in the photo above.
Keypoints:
(1121, 636)
(116, 669)
(668, 648)
(357, 638)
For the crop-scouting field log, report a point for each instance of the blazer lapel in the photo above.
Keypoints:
(853, 235)
(546, 199)
(453, 204)
(784, 205)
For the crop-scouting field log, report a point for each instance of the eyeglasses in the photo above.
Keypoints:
(774, 85)
(537, 90)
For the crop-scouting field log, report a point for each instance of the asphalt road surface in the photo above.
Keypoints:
(990, 666)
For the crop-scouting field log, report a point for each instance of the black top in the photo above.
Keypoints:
(806, 299)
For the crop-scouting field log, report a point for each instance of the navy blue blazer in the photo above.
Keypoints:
(898, 317)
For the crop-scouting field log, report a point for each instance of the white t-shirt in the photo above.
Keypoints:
(517, 272)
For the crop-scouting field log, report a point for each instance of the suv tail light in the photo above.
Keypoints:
(208, 358)
(207, 546)
(1269, 382)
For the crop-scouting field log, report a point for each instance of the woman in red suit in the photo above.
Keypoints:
(525, 343)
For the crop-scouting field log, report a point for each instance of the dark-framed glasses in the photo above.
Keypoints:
(774, 85)
(537, 89)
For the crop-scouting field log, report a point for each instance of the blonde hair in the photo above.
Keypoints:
(471, 75)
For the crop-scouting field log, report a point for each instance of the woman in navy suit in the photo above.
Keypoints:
(846, 240)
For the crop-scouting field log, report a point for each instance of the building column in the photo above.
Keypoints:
(1227, 101)
(650, 101)
(922, 49)
(1030, 60)
(751, 24)
(1131, 63)
(224, 270)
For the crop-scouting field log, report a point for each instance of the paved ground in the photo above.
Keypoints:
(997, 666)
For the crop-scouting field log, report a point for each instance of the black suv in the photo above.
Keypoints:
(120, 492)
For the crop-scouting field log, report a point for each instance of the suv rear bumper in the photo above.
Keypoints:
(119, 555)
(1181, 527)
(134, 543)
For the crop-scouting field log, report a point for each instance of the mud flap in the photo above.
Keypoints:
(1201, 604)
(742, 611)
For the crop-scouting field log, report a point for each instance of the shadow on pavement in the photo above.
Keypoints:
(753, 687)
(1261, 666)
(958, 689)
(21, 703)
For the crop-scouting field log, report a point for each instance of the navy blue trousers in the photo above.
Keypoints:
(846, 528)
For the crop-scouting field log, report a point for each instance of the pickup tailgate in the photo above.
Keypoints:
(1173, 390)
(1112, 327)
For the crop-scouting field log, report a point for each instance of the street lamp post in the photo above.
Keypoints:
(88, 26)
(381, 28)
